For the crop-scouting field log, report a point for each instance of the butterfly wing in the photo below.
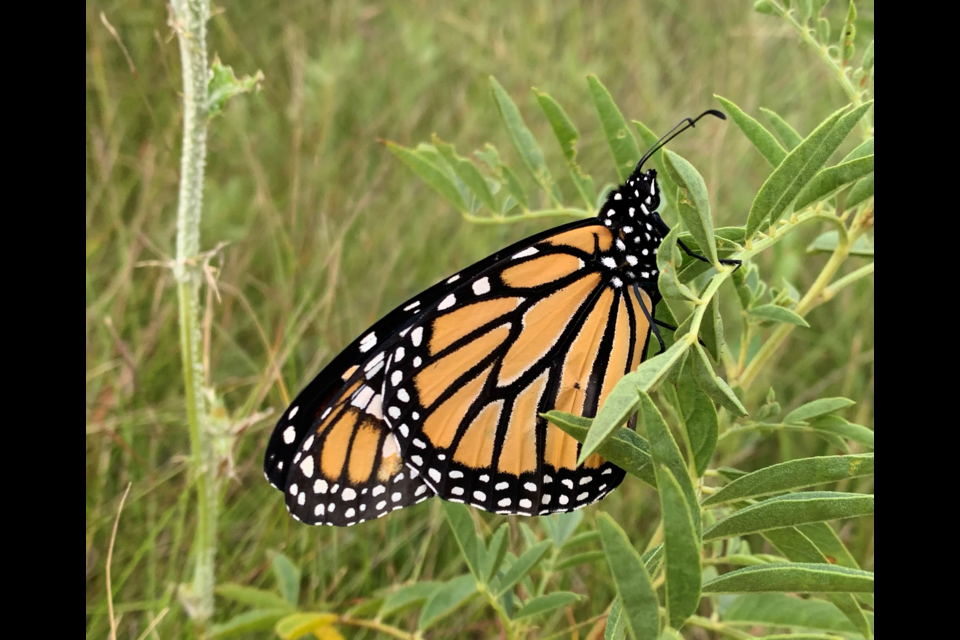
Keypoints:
(546, 326)
(331, 453)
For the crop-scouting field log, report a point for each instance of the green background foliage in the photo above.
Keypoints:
(315, 229)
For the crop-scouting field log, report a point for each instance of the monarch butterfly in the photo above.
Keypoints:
(443, 395)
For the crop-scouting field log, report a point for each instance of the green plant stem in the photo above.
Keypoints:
(806, 34)
(494, 602)
(811, 299)
(718, 627)
(190, 20)
(375, 626)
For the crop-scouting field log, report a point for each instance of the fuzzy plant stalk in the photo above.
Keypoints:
(190, 23)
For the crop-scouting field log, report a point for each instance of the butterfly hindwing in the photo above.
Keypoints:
(547, 326)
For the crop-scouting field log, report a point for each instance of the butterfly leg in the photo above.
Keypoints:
(653, 323)
(664, 229)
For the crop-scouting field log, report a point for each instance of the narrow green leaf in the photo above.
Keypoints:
(252, 596)
(778, 610)
(634, 587)
(817, 408)
(622, 401)
(860, 192)
(700, 420)
(524, 565)
(792, 577)
(666, 453)
(651, 559)
(287, 576)
(799, 167)
(496, 552)
(563, 128)
(865, 149)
(491, 156)
(458, 516)
(580, 539)
(622, 145)
(694, 203)
(756, 133)
(543, 604)
(523, 140)
(682, 549)
(715, 387)
(828, 542)
(777, 313)
(411, 595)
(789, 510)
(711, 329)
(560, 526)
(430, 174)
(248, 622)
(445, 600)
(837, 426)
(581, 558)
(787, 133)
(827, 243)
(297, 625)
(624, 448)
(616, 628)
(794, 474)
(833, 179)
(467, 172)
(668, 188)
(668, 262)
(568, 136)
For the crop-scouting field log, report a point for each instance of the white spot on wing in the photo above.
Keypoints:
(417, 336)
(481, 286)
(293, 412)
(307, 466)
(447, 302)
(529, 251)
(368, 342)
(289, 434)
(412, 305)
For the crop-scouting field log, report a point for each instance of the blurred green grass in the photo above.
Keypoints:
(327, 232)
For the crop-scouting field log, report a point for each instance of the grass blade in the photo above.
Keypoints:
(637, 597)
(408, 596)
(790, 510)
(288, 578)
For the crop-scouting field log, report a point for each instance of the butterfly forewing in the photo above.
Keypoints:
(548, 326)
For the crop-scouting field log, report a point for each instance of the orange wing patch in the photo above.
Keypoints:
(363, 453)
(583, 239)
(519, 453)
(542, 270)
(619, 353)
(449, 328)
(435, 378)
(336, 443)
(581, 357)
(442, 424)
(475, 449)
(543, 323)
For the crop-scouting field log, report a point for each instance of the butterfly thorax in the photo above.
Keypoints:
(630, 213)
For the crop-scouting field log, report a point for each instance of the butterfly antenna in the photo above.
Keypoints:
(681, 126)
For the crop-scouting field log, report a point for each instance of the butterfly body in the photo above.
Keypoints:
(444, 395)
